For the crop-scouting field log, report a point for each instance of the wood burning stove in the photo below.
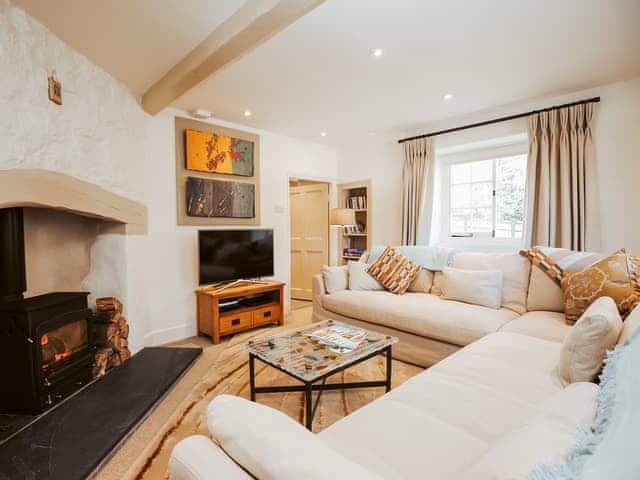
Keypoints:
(45, 344)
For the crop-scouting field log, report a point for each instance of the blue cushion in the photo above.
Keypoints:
(610, 449)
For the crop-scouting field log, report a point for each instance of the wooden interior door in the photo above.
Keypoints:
(309, 207)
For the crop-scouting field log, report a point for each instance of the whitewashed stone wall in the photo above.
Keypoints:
(95, 135)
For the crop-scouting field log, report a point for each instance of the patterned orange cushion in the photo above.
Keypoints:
(543, 262)
(615, 276)
(394, 271)
(559, 262)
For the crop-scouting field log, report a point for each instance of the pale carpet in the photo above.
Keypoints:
(223, 369)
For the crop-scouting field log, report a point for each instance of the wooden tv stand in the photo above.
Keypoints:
(223, 311)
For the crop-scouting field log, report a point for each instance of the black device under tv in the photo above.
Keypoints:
(234, 255)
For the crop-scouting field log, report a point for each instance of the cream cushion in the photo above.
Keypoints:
(630, 325)
(335, 278)
(544, 293)
(359, 279)
(584, 348)
(421, 314)
(547, 436)
(515, 274)
(438, 280)
(423, 282)
(478, 287)
(445, 419)
(197, 458)
(545, 325)
(272, 446)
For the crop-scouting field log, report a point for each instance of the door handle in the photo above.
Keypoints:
(266, 314)
(235, 321)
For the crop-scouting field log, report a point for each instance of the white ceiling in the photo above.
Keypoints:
(137, 41)
(320, 75)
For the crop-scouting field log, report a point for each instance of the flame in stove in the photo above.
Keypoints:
(59, 356)
(48, 348)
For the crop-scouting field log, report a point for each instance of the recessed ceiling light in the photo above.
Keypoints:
(247, 113)
(323, 134)
(448, 96)
(377, 52)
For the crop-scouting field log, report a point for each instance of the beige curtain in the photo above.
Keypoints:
(417, 180)
(562, 200)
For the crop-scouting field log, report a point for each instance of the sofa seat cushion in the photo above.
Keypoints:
(421, 314)
(540, 324)
(399, 441)
(445, 419)
(549, 435)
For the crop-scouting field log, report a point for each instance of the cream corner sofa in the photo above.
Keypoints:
(490, 410)
(430, 328)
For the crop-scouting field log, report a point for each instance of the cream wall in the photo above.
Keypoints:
(617, 139)
(102, 135)
(379, 160)
(167, 273)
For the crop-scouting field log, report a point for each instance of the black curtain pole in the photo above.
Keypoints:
(498, 120)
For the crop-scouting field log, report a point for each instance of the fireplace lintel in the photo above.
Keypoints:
(49, 189)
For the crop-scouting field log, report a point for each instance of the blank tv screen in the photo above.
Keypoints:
(227, 255)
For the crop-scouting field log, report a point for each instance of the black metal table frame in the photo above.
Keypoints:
(309, 387)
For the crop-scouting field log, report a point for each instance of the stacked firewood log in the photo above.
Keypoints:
(110, 331)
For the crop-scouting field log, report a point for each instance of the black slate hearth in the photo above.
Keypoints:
(72, 440)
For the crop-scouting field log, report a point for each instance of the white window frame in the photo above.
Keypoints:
(474, 155)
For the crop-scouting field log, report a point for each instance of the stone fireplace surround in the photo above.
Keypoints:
(74, 232)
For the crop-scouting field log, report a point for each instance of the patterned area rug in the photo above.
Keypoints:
(224, 369)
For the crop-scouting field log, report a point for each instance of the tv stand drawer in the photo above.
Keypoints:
(266, 315)
(232, 322)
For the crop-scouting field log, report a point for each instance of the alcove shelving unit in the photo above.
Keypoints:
(355, 240)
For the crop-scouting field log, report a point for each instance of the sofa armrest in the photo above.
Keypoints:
(273, 446)
(198, 458)
(318, 289)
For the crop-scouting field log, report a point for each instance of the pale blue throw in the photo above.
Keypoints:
(431, 258)
(611, 449)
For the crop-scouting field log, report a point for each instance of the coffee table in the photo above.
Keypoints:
(312, 363)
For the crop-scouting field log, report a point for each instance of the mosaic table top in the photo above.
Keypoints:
(307, 360)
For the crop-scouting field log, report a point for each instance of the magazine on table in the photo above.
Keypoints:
(339, 338)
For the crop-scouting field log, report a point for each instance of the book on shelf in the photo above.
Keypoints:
(357, 202)
(353, 229)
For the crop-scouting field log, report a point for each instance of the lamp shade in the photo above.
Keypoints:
(342, 217)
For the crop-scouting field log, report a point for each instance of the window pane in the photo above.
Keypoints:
(460, 220)
(460, 173)
(481, 220)
(461, 196)
(510, 184)
(481, 195)
(482, 171)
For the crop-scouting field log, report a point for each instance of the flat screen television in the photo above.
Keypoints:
(227, 255)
